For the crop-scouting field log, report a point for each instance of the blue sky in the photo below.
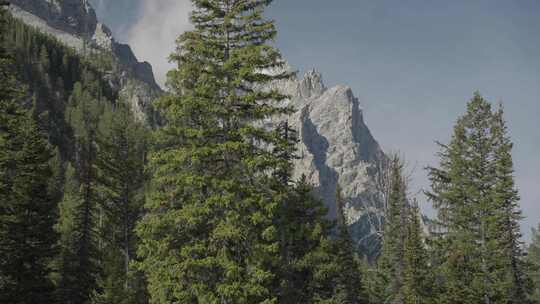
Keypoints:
(413, 64)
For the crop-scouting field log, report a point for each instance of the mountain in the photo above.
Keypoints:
(337, 147)
(74, 23)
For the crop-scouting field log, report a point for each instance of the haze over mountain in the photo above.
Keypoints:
(149, 26)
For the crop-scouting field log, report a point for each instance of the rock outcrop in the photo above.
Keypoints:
(76, 17)
(336, 147)
(74, 23)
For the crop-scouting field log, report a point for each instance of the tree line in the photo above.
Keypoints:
(97, 207)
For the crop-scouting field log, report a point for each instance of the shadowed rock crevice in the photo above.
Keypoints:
(318, 146)
(369, 150)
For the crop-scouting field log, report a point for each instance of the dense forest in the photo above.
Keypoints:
(99, 207)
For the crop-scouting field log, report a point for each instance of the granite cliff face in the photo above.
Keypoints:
(336, 147)
(74, 22)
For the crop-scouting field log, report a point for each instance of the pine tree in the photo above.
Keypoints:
(27, 209)
(28, 216)
(66, 265)
(120, 164)
(80, 262)
(317, 266)
(210, 235)
(389, 276)
(474, 194)
(506, 197)
(417, 277)
(302, 227)
(348, 287)
(533, 261)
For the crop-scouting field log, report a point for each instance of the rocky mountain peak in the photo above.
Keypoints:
(337, 148)
(311, 85)
(103, 37)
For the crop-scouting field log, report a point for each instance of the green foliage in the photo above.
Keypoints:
(301, 227)
(69, 97)
(345, 280)
(506, 198)
(478, 212)
(27, 208)
(417, 277)
(50, 70)
(121, 157)
(80, 258)
(389, 277)
(209, 235)
(314, 267)
(403, 272)
(75, 276)
(224, 222)
(533, 260)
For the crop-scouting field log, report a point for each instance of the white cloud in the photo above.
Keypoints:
(154, 34)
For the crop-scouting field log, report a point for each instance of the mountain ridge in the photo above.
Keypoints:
(75, 23)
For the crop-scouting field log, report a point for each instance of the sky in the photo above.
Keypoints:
(413, 65)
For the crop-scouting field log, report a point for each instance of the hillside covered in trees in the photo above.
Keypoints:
(199, 203)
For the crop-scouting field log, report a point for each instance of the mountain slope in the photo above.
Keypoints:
(74, 23)
(336, 147)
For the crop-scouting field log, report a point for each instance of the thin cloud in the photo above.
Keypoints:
(153, 36)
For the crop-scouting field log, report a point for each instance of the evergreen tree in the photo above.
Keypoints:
(317, 266)
(67, 273)
(533, 260)
(474, 194)
(210, 234)
(80, 267)
(27, 215)
(302, 228)
(47, 73)
(389, 278)
(122, 146)
(27, 209)
(417, 277)
(506, 198)
(348, 286)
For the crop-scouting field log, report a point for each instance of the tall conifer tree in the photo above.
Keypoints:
(120, 163)
(27, 208)
(506, 198)
(80, 263)
(303, 227)
(210, 235)
(474, 193)
(417, 277)
(347, 283)
(533, 261)
(388, 281)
